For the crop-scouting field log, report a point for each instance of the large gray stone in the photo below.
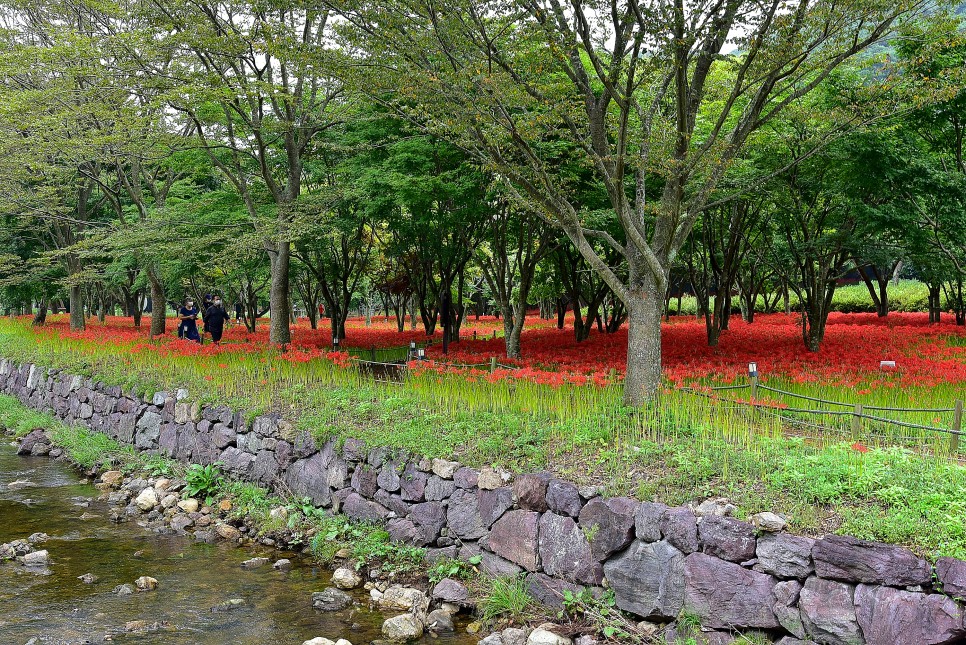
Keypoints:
(365, 480)
(725, 595)
(265, 468)
(846, 558)
(310, 478)
(563, 498)
(393, 502)
(497, 567)
(679, 527)
(494, 503)
(236, 461)
(148, 431)
(222, 435)
(648, 579)
(889, 616)
(438, 488)
(514, 537)
(389, 477)
(786, 607)
(530, 491)
(412, 483)
(463, 515)
(828, 612)
(168, 440)
(727, 538)
(449, 590)
(549, 592)
(360, 509)
(403, 531)
(31, 439)
(466, 477)
(331, 599)
(647, 521)
(609, 524)
(952, 576)
(430, 518)
(565, 552)
(784, 555)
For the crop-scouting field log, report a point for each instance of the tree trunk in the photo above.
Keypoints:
(158, 305)
(444, 316)
(884, 297)
(337, 324)
(643, 376)
(77, 321)
(279, 332)
(935, 309)
(136, 312)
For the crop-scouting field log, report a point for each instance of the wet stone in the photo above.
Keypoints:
(331, 599)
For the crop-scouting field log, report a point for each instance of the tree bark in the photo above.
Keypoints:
(279, 332)
(77, 320)
(159, 304)
(643, 376)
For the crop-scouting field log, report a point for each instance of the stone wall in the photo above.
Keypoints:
(660, 561)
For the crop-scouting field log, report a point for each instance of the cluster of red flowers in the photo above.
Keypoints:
(853, 347)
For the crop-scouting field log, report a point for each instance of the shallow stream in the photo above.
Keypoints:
(56, 607)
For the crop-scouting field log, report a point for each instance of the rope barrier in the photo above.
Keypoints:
(776, 411)
(849, 405)
(915, 426)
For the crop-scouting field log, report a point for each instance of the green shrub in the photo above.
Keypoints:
(203, 481)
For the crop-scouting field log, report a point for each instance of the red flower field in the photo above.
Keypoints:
(925, 354)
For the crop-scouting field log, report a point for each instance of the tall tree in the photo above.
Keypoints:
(252, 79)
(625, 84)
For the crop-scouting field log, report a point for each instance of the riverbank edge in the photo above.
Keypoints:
(661, 563)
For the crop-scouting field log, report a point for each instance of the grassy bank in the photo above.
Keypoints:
(686, 448)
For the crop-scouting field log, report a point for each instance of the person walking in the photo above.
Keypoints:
(215, 319)
(188, 314)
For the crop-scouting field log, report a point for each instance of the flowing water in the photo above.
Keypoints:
(53, 606)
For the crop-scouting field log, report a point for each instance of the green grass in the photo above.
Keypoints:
(20, 419)
(87, 448)
(505, 598)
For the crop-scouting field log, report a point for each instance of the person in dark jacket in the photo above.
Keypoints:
(215, 319)
(188, 314)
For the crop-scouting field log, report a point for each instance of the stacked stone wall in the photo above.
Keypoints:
(660, 561)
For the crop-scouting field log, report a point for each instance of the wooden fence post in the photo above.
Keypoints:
(957, 428)
(492, 364)
(857, 422)
(754, 388)
(494, 334)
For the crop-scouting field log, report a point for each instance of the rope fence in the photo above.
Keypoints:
(395, 368)
(858, 412)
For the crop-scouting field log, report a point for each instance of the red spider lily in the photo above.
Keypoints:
(858, 447)
(850, 355)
